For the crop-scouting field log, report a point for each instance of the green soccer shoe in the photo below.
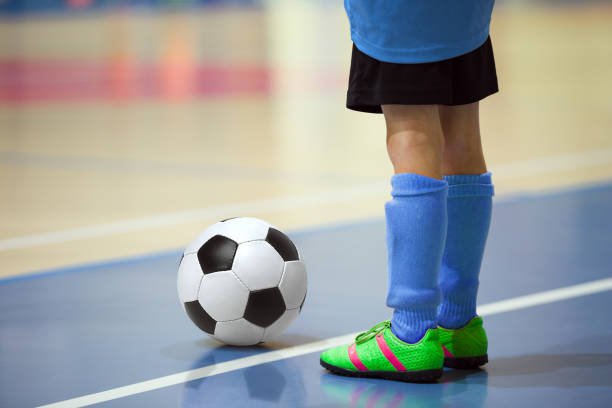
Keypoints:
(379, 353)
(465, 347)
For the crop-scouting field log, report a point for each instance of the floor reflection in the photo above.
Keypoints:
(458, 388)
(551, 370)
(268, 385)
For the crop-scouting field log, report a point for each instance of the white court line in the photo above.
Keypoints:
(339, 195)
(517, 303)
(184, 217)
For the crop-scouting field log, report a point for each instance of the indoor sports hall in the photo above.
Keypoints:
(129, 126)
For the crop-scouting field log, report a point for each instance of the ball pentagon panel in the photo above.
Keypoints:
(199, 316)
(217, 254)
(265, 307)
(283, 244)
(208, 233)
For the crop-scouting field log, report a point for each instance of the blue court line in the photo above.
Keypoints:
(91, 266)
(507, 199)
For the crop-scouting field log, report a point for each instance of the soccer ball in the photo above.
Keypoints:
(242, 281)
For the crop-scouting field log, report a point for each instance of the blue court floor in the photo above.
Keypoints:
(68, 333)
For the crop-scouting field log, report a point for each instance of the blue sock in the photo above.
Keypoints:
(416, 229)
(469, 216)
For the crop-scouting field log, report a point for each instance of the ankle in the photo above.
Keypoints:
(411, 325)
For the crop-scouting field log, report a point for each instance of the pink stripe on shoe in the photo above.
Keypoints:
(447, 353)
(355, 358)
(382, 344)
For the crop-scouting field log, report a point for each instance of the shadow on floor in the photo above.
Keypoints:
(551, 370)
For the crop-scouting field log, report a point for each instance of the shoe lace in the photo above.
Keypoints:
(367, 335)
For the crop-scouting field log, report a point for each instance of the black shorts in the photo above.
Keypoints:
(456, 81)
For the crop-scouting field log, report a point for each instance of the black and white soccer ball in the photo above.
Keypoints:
(242, 281)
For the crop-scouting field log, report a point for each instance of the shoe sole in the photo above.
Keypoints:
(408, 376)
(466, 363)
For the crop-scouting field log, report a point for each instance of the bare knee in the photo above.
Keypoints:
(411, 140)
(414, 139)
(462, 143)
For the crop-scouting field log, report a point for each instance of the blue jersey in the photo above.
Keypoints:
(414, 31)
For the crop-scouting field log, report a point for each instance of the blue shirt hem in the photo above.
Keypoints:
(420, 55)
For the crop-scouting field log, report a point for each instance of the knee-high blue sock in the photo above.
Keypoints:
(469, 216)
(416, 229)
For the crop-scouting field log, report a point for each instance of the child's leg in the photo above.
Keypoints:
(414, 139)
(462, 145)
(416, 229)
(415, 217)
(469, 213)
